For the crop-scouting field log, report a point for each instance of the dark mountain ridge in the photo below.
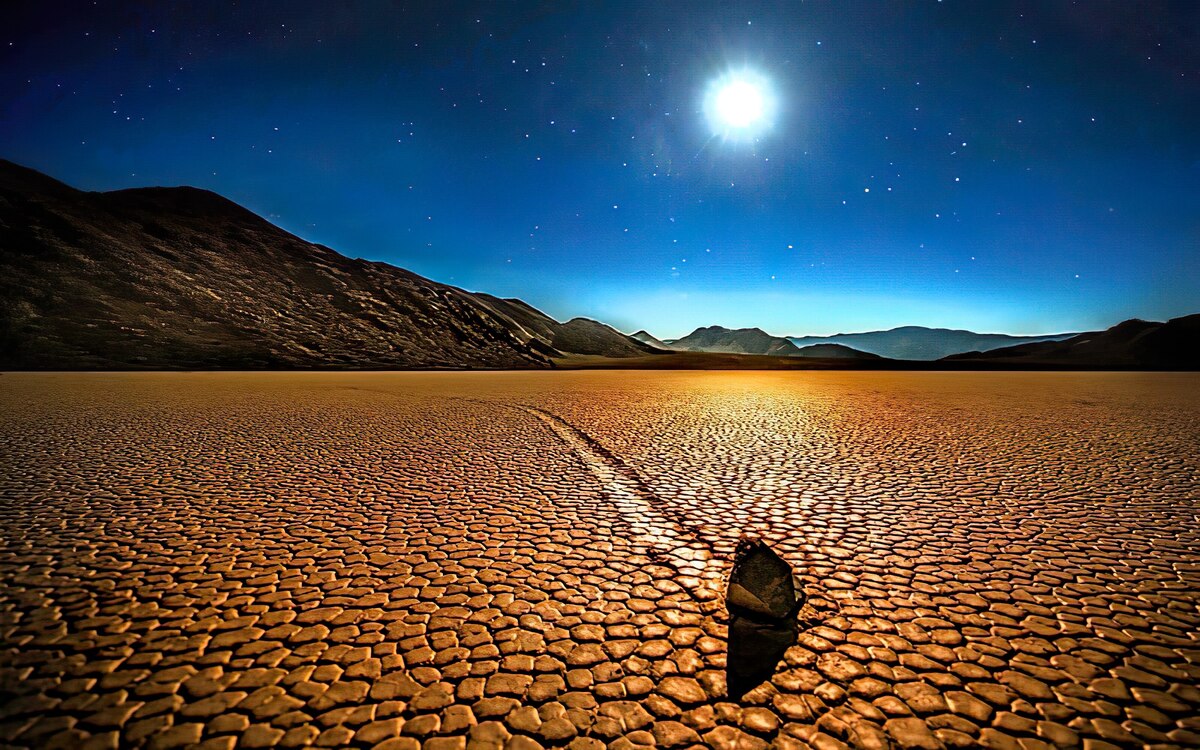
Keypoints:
(1132, 344)
(921, 343)
(184, 278)
(834, 351)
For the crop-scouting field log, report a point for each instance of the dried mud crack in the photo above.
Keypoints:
(227, 560)
(648, 517)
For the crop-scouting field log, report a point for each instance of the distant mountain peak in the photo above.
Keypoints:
(734, 341)
(648, 338)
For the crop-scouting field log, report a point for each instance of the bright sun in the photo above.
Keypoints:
(739, 105)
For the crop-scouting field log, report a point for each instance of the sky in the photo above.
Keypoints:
(803, 167)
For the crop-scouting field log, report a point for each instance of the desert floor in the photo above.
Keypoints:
(537, 559)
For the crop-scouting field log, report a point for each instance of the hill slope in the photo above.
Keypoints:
(833, 351)
(735, 341)
(648, 338)
(584, 336)
(576, 336)
(183, 278)
(920, 343)
(1131, 344)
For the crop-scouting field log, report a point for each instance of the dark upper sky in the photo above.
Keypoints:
(1018, 167)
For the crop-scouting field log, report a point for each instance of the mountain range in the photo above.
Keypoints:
(920, 343)
(755, 341)
(182, 278)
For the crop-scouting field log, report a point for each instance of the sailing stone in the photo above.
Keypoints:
(761, 584)
(763, 603)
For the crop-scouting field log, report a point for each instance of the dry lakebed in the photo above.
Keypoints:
(538, 559)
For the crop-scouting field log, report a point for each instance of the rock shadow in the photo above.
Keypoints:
(763, 602)
(754, 650)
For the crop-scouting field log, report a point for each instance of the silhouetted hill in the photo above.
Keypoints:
(734, 341)
(833, 351)
(647, 338)
(184, 278)
(1132, 344)
(584, 336)
(920, 343)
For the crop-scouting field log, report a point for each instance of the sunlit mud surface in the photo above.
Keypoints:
(452, 560)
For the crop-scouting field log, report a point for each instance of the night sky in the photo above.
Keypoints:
(1013, 167)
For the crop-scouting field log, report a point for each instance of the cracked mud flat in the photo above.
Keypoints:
(536, 559)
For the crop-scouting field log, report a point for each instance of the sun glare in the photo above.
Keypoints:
(739, 105)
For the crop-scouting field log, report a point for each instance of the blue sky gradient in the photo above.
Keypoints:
(1008, 167)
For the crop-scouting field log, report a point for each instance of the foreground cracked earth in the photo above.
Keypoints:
(533, 560)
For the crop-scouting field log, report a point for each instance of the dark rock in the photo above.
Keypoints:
(761, 583)
(763, 603)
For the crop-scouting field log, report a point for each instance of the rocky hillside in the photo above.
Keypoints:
(183, 278)
(576, 336)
